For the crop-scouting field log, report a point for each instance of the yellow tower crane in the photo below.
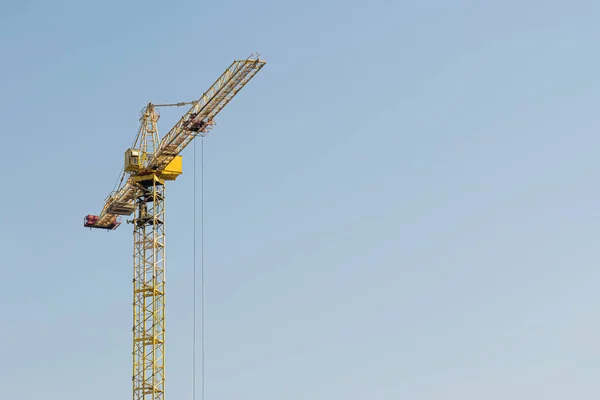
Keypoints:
(141, 192)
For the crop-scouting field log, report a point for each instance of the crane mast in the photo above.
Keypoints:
(141, 192)
(149, 273)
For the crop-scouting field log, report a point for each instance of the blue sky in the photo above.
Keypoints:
(402, 204)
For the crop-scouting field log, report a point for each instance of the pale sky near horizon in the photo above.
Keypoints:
(403, 204)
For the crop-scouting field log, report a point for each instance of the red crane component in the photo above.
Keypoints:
(196, 124)
(91, 220)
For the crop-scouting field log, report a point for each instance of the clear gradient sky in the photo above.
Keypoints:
(403, 204)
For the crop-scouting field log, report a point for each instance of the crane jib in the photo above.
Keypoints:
(197, 121)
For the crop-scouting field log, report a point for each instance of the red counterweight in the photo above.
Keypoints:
(91, 220)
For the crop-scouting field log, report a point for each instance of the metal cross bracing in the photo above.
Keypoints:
(140, 191)
(198, 120)
(210, 104)
(147, 137)
(149, 291)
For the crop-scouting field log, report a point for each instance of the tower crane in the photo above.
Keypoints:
(141, 191)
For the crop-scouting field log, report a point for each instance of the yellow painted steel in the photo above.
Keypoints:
(149, 292)
(141, 179)
(173, 169)
(159, 154)
(133, 160)
(141, 191)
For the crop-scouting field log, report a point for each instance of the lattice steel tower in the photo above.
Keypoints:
(141, 192)
(149, 276)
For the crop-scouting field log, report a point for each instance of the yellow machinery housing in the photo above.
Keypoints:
(172, 170)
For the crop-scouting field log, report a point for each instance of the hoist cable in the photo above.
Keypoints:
(202, 266)
(201, 275)
(194, 290)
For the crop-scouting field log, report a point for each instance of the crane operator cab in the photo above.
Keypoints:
(133, 160)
